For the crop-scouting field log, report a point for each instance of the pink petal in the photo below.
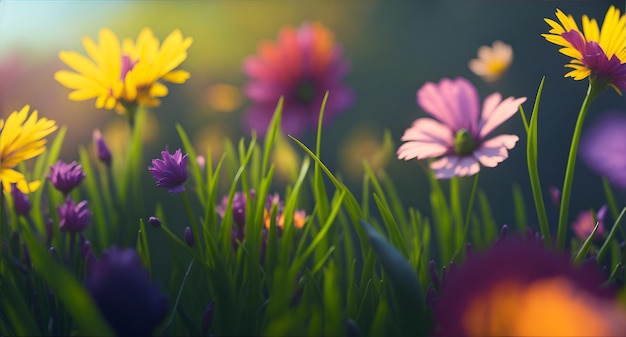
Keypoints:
(426, 138)
(450, 166)
(454, 102)
(496, 112)
(494, 151)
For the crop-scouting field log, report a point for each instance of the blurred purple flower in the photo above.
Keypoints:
(121, 288)
(102, 150)
(520, 288)
(301, 66)
(603, 148)
(171, 172)
(459, 134)
(66, 176)
(21, 204)
(74, 217)
(584, 224)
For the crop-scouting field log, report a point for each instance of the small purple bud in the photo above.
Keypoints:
(102, 150)
(85, 249)
(503, 232)
(433, 274)
(189, 240)
(20, 201)
(207, 317)
(55, 254)
(154, 221)
(65, 177)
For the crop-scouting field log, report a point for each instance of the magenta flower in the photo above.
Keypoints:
(74, 217)
(603, 148)
(301, 66)
(585, 223)
(65, 177)
(171, 171)
(459, 134)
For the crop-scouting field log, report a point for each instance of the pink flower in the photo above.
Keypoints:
(585, 223)
(301, 66)
(458, 134)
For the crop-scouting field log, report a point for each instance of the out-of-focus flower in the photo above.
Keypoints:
(74, 217)
(555, 196)
(492, 62)
(520, 288)
(363, 144)
(599, 54)
(21, 139)
(121, 288)
(603, 148)
(66, 176)
(585, 223)
(171, 171)
(239, 207)
(301, 66)
(459, 135)
(102, 150)
(21, 204)
(224, 97)
(299, 216)
(121, 75)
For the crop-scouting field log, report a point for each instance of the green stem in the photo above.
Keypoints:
(194, 226)
(468, 215)
(571, 162)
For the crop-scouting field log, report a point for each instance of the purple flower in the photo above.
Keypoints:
(74, 217)
(603, 148)
(458, 136)
(21, 204)
(121, 288)
(65, 177)
(171, 172)
(301, 66)
(239, 208)
(585, 223)
(102, 150)
(519, 288)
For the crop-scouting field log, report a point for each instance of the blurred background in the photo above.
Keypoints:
(394, 48)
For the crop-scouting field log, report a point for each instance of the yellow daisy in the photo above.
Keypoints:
(127, 74)
(492, 62)
(21, 139)
(597, 53)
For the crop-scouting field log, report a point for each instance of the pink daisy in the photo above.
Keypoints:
(458, 134)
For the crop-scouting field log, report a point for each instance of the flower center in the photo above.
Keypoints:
(464, 143)
(305, 91)
(127, 65)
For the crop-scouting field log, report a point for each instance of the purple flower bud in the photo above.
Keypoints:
(65, 177)
(154, 221)
(207, 317)
(555, 195)
(20, 201)
(585, 223)
(85, 249)
(102, 150)
(189, 237)
(503, 232)
(239, 208)
(121, 288)
(171, 171)
(74, 217)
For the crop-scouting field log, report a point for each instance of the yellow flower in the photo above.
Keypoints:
(597, 53)
(127, 74)
(492, 62)
(21, 139)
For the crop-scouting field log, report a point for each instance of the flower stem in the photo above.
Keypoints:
(569, 172)
(468, 215)
(194, 226)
